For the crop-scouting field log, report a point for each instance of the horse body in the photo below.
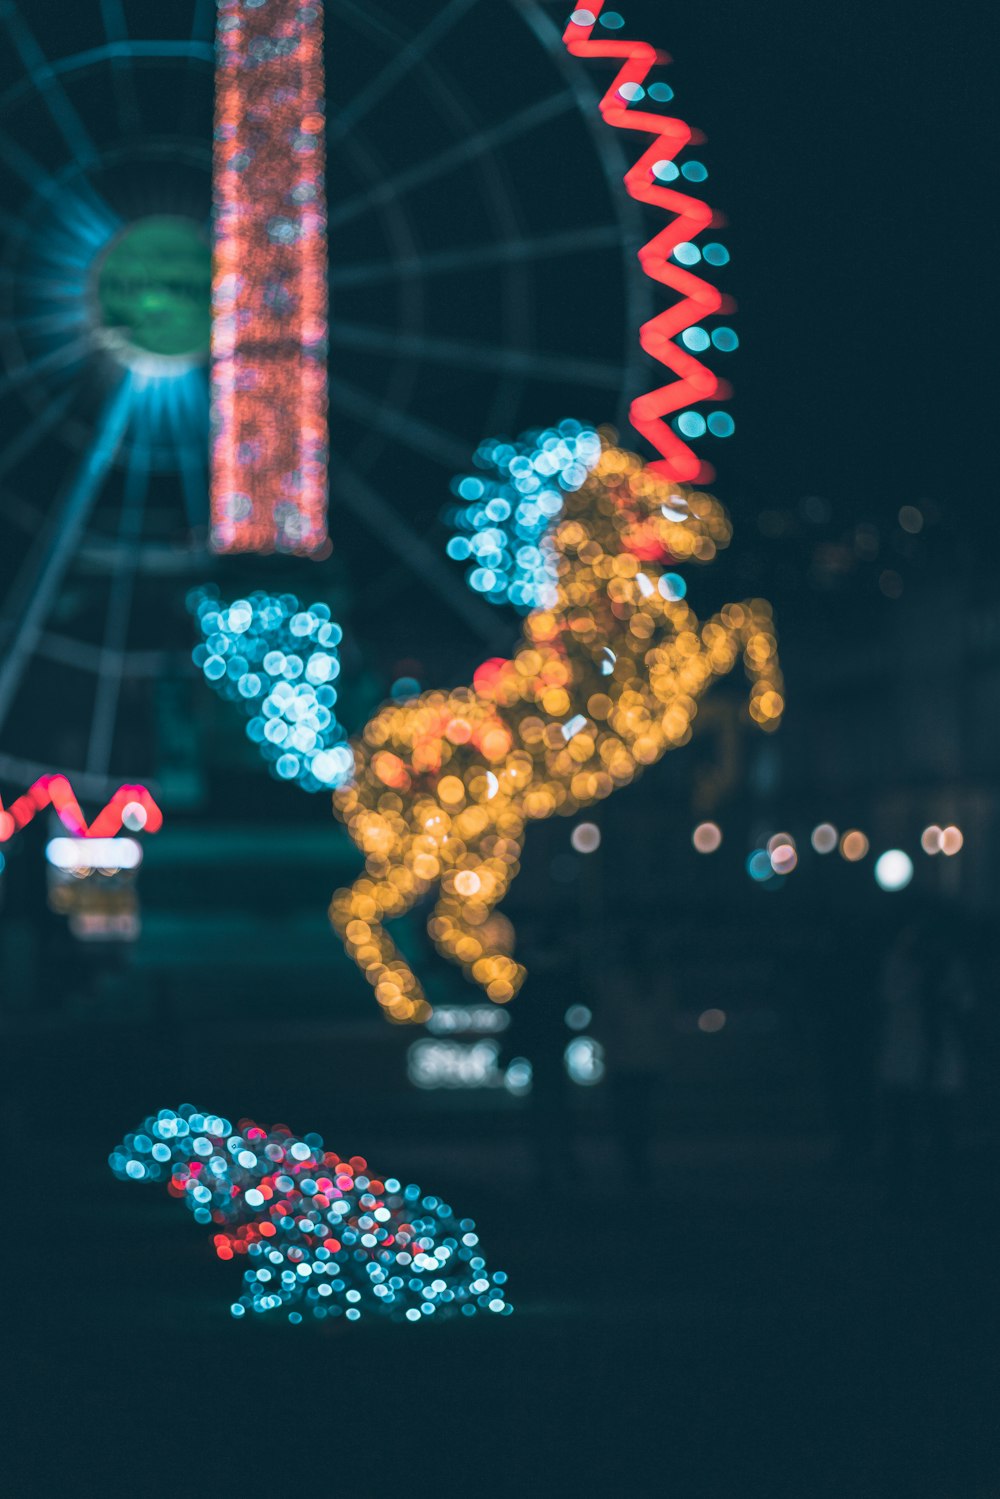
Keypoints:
(601, 685)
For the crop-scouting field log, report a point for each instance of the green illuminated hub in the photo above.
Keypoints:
(153, 292)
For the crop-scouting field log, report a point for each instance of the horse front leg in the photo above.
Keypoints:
(358, 915)
(748, 628)
(460, 924)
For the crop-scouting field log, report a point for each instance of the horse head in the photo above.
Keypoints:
(617, 611)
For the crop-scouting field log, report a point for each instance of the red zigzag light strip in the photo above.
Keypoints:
(695, 381)
(55, 791)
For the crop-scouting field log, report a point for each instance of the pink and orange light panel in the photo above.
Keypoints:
(269, 397)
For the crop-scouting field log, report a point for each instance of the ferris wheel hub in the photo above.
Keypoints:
(150, 295)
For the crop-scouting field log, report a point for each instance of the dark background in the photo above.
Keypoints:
(761, 1315)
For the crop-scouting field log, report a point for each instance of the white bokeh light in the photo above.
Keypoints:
(893, 869)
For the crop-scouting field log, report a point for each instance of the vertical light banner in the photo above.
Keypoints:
(269, 287)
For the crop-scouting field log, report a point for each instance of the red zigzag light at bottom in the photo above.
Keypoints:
(699, 299)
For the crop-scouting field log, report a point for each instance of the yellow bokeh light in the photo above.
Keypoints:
(602, 683)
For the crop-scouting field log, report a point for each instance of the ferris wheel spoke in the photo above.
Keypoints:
(392, 531)
(592, 372)
(79, 654)
(38, 583)
(457, 155)
(51, 414)
(189, 118)
(82, 656)
(26, 167)
(66, 289)
(372, 23)
(194, 480)
(42, 182)
(102, 725)
(113, 16)
(190, 415)
(406, 58)
(22, 772)
(71, 126)
(203, 22)
(46, 364)
(419, 436)
(195, 51)
(542, 247)
(63, 320)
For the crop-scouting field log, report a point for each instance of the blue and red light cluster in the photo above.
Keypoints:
(320, 1237)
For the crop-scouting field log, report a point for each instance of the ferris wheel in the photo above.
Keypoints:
(475, 212)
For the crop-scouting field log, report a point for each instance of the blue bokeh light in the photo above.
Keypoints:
(691, 424)
(510, 506)
(721, 424)
(279, 662)
(725, 339)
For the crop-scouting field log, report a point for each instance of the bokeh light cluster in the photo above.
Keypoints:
(318, 1236)
(603, 683)
(777, 856)
(269, 304)
(279, 662)
(503, 530)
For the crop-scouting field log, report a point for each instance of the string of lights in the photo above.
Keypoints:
(603, 682)
(666, 258)
(279, 662)
(131, 807)
(269, 328)
(320, 1236)
(778, 855)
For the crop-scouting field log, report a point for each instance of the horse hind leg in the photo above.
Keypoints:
(460, 927)
(749, 628)
(358, 914)
(760, 658)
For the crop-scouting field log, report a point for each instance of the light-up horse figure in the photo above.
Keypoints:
(601, 685)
